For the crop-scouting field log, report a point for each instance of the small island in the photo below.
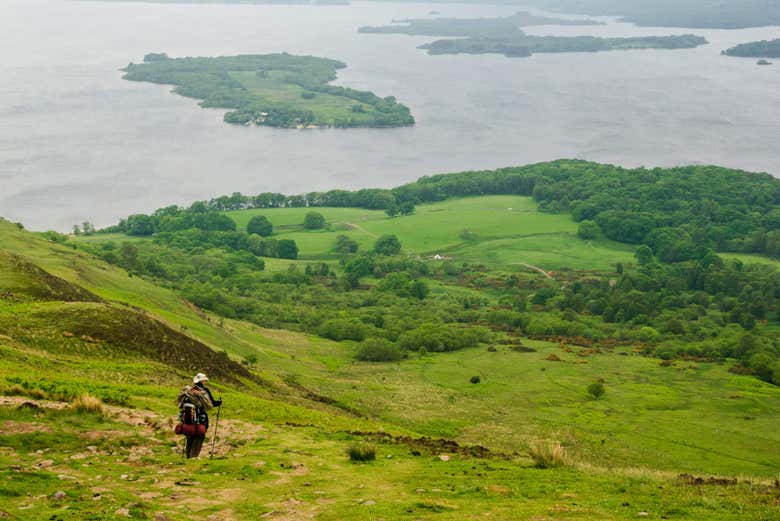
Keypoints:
(501, 26)
(503, 36)
(762, 49)
(276, 90)
(763, 62)
(524, 45)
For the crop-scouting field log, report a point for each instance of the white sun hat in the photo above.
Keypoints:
(200, 377)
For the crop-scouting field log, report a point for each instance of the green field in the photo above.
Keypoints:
(505, 231)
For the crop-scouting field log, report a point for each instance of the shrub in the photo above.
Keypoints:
(442, 337)
(647, 334)
(343, 329)
(313, 221)
(387, 245)
(346, 245)
(588, 230)
(548, 455)
(378, 350)
(596, 390)
(88, 404)
(260, 225)
(475, 379)
(287, 249)
(468, 235)
(361, 452)
(249, 360)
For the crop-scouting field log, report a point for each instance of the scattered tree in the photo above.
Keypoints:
(313, 221)
(588, 230)
(596, 390)
(260, 225)
(387, 245)
(344, 244)
(378, 350)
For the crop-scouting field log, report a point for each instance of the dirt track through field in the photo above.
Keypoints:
(361, 229)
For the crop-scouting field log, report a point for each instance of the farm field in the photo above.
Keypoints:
(504, 232)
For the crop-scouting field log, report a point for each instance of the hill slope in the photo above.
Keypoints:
(289, 420)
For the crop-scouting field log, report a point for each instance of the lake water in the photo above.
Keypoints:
(79, 143)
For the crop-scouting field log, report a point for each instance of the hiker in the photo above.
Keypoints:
(194, 403)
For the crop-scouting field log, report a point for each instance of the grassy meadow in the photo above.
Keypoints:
(504, 232)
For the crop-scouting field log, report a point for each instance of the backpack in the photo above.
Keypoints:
(194, 396)
(190, 401)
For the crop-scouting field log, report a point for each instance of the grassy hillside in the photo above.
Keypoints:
(72, 324)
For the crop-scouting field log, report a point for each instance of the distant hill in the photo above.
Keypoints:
(723, 14)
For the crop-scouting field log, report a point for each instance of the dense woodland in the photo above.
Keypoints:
(762, 49)
(679, 298)
(278, 90)
(721, 14)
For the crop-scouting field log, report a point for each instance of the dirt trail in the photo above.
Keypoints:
(230, 432)
(537, 268)
(360, 228)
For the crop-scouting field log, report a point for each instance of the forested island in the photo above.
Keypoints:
(715, 14)
(453, 27)
(278, 90)
(762, 49)
(503, 35)
(525, 45)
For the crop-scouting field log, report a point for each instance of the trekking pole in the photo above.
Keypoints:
(216, 427)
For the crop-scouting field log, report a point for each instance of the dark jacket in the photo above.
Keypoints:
(203, 416)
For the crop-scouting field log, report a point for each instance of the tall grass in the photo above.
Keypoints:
(88, 404)
(548, 454)
(361, 452)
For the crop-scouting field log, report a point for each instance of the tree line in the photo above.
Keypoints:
(680, 213)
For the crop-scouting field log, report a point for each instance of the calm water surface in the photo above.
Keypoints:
(79, 143)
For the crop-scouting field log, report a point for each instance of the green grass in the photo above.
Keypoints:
(286, 441)
(299, 472)
(507, 232)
